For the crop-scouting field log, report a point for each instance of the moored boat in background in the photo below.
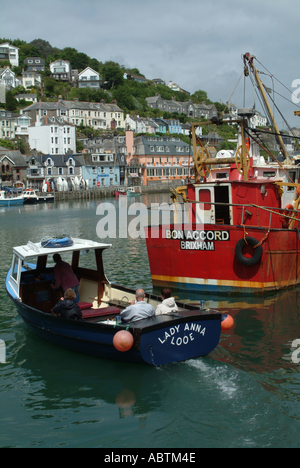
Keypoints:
(31, 197)
(10, 200)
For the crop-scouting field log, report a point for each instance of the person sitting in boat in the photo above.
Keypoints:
(138, 309)
(67, 308)
(168, 304)
(65, 277)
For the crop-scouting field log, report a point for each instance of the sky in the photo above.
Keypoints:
(197, 44)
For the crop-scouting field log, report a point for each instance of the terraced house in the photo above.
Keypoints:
(97, 115)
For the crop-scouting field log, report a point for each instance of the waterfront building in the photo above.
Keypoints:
(52, 135)
(101, 170)
(12, 167)
(160, 159)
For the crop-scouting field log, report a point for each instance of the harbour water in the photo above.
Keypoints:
(244, 394)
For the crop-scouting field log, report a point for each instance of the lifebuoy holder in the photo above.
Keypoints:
(258, 250)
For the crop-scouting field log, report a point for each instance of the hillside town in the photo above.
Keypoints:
(131, 150)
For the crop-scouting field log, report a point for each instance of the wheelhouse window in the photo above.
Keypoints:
(205, 198)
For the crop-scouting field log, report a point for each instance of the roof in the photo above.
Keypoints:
(59, 160)
(96, 106)
(45, 106)
(14, 155)
(59, 121)
(36, 250)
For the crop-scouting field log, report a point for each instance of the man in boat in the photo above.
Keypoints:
(65, 277)
(138, 309)
(168, 304)
(67, 308)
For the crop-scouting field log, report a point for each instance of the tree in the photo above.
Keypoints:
(124, 97)
(200, 96)
(45, 49)
(11, 102)
(112, 74)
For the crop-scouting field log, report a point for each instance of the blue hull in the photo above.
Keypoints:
(157, 341)
(11, 202)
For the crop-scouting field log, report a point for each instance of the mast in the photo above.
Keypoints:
(248, 59)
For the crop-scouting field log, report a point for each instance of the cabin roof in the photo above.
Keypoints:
(36, 249)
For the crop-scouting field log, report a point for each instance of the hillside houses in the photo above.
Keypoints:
(189, 108)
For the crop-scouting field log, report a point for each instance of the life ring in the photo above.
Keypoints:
(257, 251)
(287, 212)
(56, 243)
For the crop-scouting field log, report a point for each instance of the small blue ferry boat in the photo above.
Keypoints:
(163, 339)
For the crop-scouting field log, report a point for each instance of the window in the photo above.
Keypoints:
(205, 197)
(15, 268)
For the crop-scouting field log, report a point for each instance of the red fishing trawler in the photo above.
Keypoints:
(242, 231)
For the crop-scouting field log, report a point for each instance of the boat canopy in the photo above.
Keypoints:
(37, 250)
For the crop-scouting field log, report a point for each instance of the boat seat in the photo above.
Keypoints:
(88, 313)
(85, 305)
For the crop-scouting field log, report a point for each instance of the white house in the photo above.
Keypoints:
(258, 120)
(52, 135)
(89, 78)
(22, 124)
(9, 78)
(31, 79)
(140, 124)
(61, 70)
(9, 52)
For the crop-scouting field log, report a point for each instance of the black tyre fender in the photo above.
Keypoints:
(239, 251)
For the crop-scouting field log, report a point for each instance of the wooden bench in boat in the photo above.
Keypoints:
(88, 312)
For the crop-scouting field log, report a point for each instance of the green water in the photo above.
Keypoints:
(245, 394)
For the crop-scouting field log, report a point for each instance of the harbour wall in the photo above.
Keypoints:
(107, 192)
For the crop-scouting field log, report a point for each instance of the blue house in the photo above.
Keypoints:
(162, 125)
(174, 125)
(101, 170)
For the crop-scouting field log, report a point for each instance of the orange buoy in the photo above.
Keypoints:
(227, 322)
(123, 340)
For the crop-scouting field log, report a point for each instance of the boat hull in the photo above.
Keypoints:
(205, 261)
(11, 202)
(39, 200)
(157, 341)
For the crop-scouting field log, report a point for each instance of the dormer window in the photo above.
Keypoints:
(49, 162)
